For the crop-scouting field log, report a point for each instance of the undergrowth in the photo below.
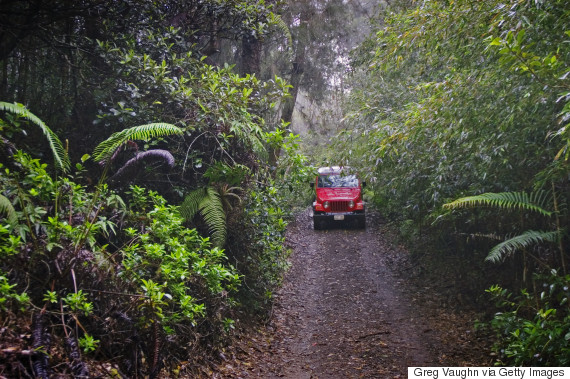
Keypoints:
(533, 330)
(129, 285)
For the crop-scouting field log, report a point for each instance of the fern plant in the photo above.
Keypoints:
(60, 155)
(209, 203)
(522, 241)
(105, 150)
(536, 202)
(7, 208)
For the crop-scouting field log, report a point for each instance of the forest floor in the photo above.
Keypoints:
(349, 308)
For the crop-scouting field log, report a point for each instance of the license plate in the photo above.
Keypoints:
(339, 217)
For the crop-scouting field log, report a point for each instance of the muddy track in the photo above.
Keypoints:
(344, 312)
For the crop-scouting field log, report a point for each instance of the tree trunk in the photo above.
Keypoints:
(250, 55)
(297, 72)
(298, 67)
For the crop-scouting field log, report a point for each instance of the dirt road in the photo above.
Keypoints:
(343, 312)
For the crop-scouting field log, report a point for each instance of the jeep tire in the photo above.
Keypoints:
(318, 224)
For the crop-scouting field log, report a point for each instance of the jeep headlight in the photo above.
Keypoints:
(326, 205)
(351, 204)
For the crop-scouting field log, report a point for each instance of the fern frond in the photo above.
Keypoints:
(191, 204)
(208, 202)
(60, 155)
(7, 208)
(105, 149)
(284, 28)
(521, 241)
(536, 202)
(212, 210)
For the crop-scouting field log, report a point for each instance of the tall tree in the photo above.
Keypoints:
(323, 34)
(299, 58)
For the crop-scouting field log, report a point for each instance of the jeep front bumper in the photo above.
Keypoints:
(338, 216)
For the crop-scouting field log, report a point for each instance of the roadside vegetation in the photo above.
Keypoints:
(459, 118)
(143, 206)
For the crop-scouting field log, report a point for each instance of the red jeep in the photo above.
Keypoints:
(338, 197)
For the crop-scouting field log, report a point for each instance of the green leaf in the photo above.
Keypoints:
(534, 202)
(7, 208)
(107, 148)
(212, 211)
(520, 36)
(519, 242)
(60, 155)
(496, 42)
(208, 202)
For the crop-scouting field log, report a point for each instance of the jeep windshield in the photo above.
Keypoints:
(337, 181)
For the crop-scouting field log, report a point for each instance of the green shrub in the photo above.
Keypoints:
(533, 330)
(173, 266)
(119, 280)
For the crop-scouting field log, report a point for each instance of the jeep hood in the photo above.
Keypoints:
(338, 193)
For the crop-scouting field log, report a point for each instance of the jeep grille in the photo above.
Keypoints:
(339, 206)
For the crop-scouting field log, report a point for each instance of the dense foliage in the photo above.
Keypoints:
(109, 274)
(160, 225)
(462, 99)
(533, 330)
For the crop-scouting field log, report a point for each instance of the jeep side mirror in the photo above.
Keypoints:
(363, 184)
